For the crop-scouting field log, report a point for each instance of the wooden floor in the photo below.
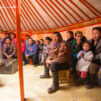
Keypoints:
(36, 88)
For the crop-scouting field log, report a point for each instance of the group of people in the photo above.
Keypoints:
(30, 49)
(81, 56)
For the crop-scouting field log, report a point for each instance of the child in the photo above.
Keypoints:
(84, 60)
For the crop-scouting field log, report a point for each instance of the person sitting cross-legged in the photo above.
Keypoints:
(9, 49)
(31, 52)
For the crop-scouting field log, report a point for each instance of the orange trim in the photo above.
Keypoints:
(79, 9)
(55, 12)
(74, 26)
(46, 12)
(92, 7)
(88, 7)
(7, 16)
(31, 14)
(52, 13)
(19, 51)
(35, 14)
(72, 10)
(82, 24)
(61, 11)
(29, 19)
(66, 10)
(38, 13)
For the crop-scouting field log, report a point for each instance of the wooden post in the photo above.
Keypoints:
(18, 34)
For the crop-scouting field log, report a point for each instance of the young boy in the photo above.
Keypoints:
(85, 57)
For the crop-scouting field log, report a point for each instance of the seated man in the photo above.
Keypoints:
(31, 51)
(9, 49)
(96, 63)
(59, 58)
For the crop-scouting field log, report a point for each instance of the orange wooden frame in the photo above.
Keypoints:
(38, 14)
(82, 1)
(31, 15)
(34, 14)
(79, 9)
(19, 51)
(55, 12)
(7, 16)
(72, 10)
(52, 13)
(27, 15)
(47, 13)
(66, 10)
(61, 11)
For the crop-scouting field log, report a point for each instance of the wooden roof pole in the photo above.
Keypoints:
(19, 51)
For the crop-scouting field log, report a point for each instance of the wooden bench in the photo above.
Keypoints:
(63, 76)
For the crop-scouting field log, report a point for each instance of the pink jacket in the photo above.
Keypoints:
(23, 47)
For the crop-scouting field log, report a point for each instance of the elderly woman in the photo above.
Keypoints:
(59, 58)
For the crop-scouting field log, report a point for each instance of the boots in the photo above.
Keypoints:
(55, 85)
(91, 81)
(46, 73)
(44, 76)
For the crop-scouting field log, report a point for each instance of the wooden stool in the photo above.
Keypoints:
(30, 61)
(63, 76)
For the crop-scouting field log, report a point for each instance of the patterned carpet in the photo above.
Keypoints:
(36, 89)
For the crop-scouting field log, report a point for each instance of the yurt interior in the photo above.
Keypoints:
(50, 50)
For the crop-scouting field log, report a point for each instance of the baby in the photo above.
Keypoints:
(85, 57)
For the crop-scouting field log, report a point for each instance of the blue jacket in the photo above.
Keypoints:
(31, 50)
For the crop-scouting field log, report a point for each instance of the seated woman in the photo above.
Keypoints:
(59, 59)
(41, 45)
(31, 52)
(76, 48)
(23, 46)
(45, 53)
(9, 49)
(96, 63)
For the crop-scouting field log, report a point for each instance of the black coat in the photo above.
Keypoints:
(97, 51)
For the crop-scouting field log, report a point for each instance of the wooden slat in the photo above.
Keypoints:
(32, 16)
(88, 7)
(79, 9)
(36, 17)
(52, 13)
(28, 19)
(39, 14)
(66, 10)
(12, 4)
(72, 9)
(47, 13)
(61, 11)
(6, 28)
(56, 12)
(92, 7)
(7, 15)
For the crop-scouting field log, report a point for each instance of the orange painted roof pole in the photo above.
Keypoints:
(19, 51)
